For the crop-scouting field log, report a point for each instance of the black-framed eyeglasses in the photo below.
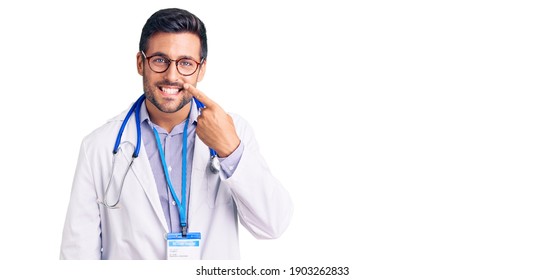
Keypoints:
(159, 64)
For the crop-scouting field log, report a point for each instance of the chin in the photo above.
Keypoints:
(173, 105)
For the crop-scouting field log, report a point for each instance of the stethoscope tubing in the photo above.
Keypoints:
(214, 162)
(132, 109)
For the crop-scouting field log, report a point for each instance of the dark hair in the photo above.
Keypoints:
(175, 21)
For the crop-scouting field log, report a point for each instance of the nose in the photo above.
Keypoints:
(172, 73)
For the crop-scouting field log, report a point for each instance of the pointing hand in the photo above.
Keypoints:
(215, 127)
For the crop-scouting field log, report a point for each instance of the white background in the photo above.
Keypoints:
(409, 133)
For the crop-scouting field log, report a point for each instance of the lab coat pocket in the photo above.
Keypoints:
(218, 194)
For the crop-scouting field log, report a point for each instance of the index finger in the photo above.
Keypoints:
(199, 95)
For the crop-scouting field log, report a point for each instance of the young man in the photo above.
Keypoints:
(198, 170)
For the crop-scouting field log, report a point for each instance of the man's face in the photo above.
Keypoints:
(163, 90)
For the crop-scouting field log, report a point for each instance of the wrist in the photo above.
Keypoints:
(227, 150)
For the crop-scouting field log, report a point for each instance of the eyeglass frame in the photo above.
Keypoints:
(170, 63)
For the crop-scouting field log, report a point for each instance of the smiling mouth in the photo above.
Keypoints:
(170, 90)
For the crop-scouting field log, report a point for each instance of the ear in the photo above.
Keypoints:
(202, 70)
(139, 63)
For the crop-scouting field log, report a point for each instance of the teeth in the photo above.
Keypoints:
(170, 90)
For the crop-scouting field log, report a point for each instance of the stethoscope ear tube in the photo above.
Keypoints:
(138, 127)
(199, 105)
(132, 109)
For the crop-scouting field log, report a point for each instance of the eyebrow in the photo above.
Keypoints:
(163, 54)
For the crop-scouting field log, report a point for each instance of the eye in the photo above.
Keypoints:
(159, 60)
(186, 63)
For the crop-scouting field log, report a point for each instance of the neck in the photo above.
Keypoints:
(167, 120)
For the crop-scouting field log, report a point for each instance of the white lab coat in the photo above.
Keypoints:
(137, 229)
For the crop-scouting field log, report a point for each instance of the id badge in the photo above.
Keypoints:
(183, 248)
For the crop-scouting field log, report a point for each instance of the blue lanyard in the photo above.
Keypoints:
(182, 206)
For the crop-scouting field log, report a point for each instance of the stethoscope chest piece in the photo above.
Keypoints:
(214, 164)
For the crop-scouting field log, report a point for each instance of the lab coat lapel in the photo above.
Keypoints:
(141, 169)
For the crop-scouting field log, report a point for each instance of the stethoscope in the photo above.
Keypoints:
(214, 164)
